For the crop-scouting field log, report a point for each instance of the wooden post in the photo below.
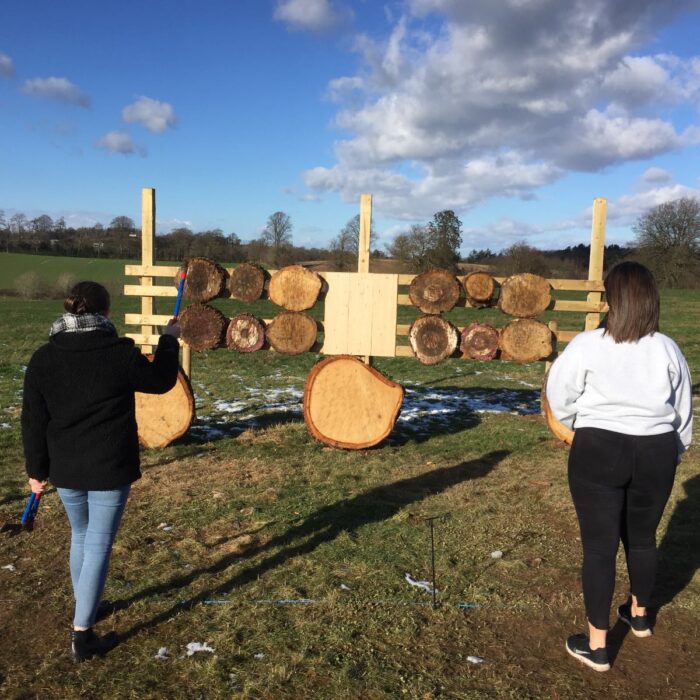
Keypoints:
(148, 232)
(554, 327)
(364, 242)
(187, 360)
(595, 265)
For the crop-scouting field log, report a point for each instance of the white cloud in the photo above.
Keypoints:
(311, 15)
(60, 89)
(7, 67)
(656, 175)
(120, 142)
(490, 99)
(154, 115)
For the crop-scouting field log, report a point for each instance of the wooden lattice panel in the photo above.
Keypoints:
(360, 314)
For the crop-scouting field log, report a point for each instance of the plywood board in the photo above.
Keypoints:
(360, 314)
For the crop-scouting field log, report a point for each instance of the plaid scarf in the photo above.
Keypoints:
(83, 323)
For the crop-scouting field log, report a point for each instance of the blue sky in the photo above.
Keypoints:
(515, 114)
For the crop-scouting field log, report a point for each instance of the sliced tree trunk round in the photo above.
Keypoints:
(349, 404)
(247, 282)
(432, 339)
(479, 341)
(205, 280)
(524, 295)
(434, 291)
(245, 333)
(479, 288)
(294, 288)
(558, 429)
(525, 340)
(163, 418)
(291, 332)
(202, 327)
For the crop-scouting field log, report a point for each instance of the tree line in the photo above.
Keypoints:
(667, 239)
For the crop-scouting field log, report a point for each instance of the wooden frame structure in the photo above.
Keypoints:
(358, 292)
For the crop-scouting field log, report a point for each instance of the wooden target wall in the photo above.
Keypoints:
(361, 308)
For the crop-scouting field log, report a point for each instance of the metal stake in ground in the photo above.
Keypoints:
(432, 554)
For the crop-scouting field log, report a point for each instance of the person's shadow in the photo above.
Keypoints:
(679, 551)
(323, 525)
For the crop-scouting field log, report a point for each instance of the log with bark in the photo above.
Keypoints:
(291, 332)
(247, 282)
(163, 418)
(205, 280)
(202, 327)
(349, 404)
(524, 295)
(525, 340)
(295, 288)
(434, 291)
(479, 288)
(558, 429)
(479, 341)
(245, 333)
(432, 339)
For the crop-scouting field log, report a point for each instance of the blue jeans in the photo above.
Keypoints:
(94, 520)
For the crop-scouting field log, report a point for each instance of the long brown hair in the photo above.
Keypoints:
(633, 298)
(87, 298)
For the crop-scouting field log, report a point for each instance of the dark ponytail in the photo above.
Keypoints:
(87, 298)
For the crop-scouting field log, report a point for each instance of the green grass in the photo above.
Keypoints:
(261, 512)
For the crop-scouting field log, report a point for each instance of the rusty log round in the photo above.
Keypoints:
(205, 280)
(202, 327)
(245, 333)
(247, 282)
(432, 339)
(479, 341)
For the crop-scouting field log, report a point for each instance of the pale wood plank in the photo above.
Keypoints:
(148, 235)
(186, 359)
(152, 270)
(384, 313)
(595, 265)
(403, 351)
(142, 290)
(336, 309)
(360, 311)
(365, 229)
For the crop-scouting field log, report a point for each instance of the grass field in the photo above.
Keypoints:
(262, 514)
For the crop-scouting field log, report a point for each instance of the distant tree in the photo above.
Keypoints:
(277, 235)
(41, 224)
(668, 240)
(257, 250)
(122, 223)
(235, 252)
(412, 247)
(521, 257)
(445, 234)
(345, 246)
(476, 256)
(18, 223)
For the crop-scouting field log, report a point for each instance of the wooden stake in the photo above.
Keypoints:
(554, 327)
(595, 265)
(364, 242)
(148, 232)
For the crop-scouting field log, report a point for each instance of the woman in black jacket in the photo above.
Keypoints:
(79, 431)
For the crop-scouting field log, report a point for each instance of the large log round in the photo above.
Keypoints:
(163, 418)
(348, 404)
(479, 341)
(247, 282)
(295, 288)
(524, 295)
(205, 280)
(291, 332)
(245, 333)
(558, 429)
(202, 327)
(525, 340)
(479, 288)
(434, 291)
(432, 339)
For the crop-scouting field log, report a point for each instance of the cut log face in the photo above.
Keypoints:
(202, 327)
(479, 288)
(245, 333)
(434, 291)
(524, 295)
(292, 333)
(247, 282)
(205, 280)
(295, 288)
(479, 341)
(525, 340)
(350, 405)
(558, 429)
(432, 339)
(163, 418)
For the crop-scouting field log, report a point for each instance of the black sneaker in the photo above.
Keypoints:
(577, 645)
(85, 644)
(639, 624)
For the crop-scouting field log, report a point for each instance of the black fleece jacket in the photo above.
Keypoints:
(78, 416)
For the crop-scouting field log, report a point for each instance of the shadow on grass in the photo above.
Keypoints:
(679, 552)
(324, 525)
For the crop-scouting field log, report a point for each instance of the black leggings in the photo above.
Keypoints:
(620, 485)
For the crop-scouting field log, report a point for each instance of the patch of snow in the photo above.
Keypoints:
(194, 647)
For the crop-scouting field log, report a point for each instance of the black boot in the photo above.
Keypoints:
(85, 644)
